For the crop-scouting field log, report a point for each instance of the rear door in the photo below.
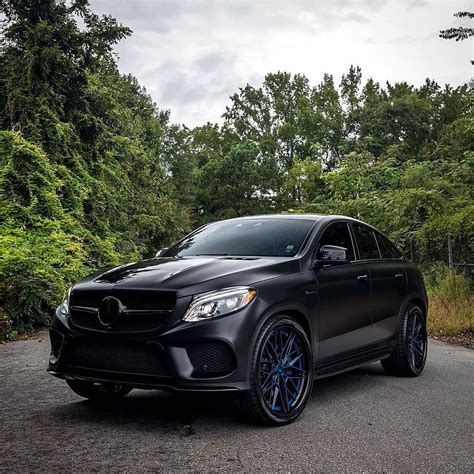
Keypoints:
(387, 277)
(344, 297)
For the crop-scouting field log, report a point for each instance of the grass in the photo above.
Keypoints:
(451, 305)
(450, 317)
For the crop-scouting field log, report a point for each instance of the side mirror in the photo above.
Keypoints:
(161, 252)
(331, 255)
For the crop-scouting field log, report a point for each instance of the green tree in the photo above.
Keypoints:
(323, 124)
(272, 115)
(235, 184)
(304, 179)
(45, 58)
(94, 189)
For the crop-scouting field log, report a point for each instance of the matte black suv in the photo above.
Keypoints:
(258, 305)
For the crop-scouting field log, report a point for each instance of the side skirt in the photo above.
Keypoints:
(353, 359)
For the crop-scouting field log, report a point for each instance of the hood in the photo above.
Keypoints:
(191, 275)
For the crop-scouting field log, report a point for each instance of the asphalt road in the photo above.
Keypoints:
(361, 420)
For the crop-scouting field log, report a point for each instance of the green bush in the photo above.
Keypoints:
(42, 249)
(440, 280)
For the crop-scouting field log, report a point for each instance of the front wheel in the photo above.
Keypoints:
(281, 374)
(98, 392)
(409, 355)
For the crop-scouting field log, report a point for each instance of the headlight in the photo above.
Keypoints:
(217, 303)
(64, 306)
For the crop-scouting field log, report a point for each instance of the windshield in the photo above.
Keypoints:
(246, 237)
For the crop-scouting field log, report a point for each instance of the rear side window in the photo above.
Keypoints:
(387, 249)
(366, 242)
(338, 234)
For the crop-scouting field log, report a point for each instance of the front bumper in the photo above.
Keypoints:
(211, 355)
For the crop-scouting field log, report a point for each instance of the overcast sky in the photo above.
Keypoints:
(192, 54)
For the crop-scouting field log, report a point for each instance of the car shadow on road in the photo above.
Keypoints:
(349, 383)
(155, 408)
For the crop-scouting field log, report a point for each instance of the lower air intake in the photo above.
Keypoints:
(113, 357)
(215, 357)
(56, 342)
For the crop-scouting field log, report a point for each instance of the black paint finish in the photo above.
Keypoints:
(350, 310)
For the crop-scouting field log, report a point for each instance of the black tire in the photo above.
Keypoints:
(409, 355)
(252, 402)
(98, 392)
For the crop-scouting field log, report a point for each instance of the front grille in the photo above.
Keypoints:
(144, 310)
(113, 357)
(214, 357)
(131, 299)
(126, 323)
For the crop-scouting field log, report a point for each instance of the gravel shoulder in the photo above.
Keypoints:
(359, 421)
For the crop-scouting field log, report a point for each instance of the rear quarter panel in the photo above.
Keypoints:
(416, 290)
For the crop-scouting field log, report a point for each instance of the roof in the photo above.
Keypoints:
(313, 217)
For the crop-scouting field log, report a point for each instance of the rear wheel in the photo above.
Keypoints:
(98, 392)
(409, 356)
(281, 373)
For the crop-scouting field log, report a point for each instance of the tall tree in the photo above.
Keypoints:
(45, 58)
(272, 114)
(83, 182)
(350, 94)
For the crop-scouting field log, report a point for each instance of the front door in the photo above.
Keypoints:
(344, 298)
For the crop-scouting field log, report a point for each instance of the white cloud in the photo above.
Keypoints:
(192, 55)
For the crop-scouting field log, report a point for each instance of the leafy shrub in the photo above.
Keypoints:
(42, 249)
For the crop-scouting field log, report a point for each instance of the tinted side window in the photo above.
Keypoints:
(366, 241)
(338, 234)
(387, 249)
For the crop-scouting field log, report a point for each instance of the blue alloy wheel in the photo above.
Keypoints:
(283, 370)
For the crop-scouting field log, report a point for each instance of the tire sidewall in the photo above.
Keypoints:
(408, 315)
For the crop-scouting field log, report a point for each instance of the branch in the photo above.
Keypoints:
(458, 34)
(464, 15)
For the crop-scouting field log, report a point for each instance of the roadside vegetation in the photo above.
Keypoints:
(451, 311)
(94, 174)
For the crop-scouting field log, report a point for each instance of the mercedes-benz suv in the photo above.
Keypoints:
(261, 306)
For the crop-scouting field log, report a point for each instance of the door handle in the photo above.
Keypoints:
(363, 277)
(399, 276)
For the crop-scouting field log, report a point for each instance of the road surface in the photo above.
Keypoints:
(361, 420)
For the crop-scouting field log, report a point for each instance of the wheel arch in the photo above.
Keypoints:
(418, 301)
(415, 298)
(300, 317)
(293, 310)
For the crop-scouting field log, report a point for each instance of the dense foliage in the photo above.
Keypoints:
(82, 180)
(399, 157)
(92, 173)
